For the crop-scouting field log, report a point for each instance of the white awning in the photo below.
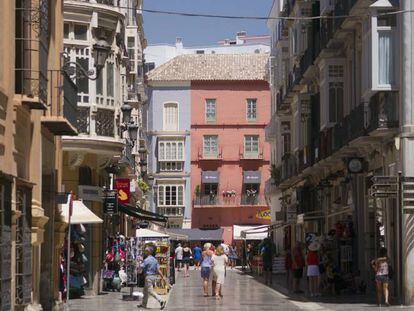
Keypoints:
(249, 232)
(81, 214)
(147, 233)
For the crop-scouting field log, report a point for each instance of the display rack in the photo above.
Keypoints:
(162, 254)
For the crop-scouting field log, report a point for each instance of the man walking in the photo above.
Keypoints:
(151, 269)
(179, 256)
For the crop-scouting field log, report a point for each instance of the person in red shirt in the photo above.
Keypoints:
(297, 267)
(312, 261)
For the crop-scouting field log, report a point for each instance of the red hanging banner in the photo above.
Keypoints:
(122, 186)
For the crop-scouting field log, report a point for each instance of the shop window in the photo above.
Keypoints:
(85, 176)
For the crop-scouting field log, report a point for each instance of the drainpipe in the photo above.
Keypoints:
(407, 144)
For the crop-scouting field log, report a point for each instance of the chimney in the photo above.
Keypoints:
(179, 43)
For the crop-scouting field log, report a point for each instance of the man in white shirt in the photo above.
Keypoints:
(179, 256)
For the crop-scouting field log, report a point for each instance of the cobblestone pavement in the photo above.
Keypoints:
(111, 301)
(241, 292)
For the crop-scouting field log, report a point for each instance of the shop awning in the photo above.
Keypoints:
(196, 234)
(210, 177)
(250, 232)
(147, 233)
(140, 213)
(81, 214)
(251, 177)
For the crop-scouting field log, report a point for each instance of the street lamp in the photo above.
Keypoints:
(100, 53)
(143, 161)
(126, 113)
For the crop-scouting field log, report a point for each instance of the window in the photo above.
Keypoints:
(82, 82)
(66, 30)
(80, 32)
(251, 110)
(251, 144)
(131, 52)
(210, 146)
(171, 195)
(99, 84)
(210, 110)
(336, 101)
(171, 156)
(110, 80)
(386, 57)
(170, 117)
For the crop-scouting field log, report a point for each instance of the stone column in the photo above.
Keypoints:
(407, 143)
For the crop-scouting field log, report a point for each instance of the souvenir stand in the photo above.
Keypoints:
(161, 244)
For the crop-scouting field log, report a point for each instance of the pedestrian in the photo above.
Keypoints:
(288, 268)
(197, 256)
(381, 266)
(220, 261)
(226, 248)
(267, 256)
(206, 264)
(151, 268)
(179, 256)
(244, 256)
(297, 267)
(233, 255)
(186, 259)
(250, 255)
(313, 272)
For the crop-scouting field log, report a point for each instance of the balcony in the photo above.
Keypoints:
(61, 117)
(229, 200)
(383, 114)
(210, 156)
(271, 129)
(289, 166)
(251, 155)
(171, 211)
(31, 54)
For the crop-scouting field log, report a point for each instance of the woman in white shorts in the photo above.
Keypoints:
(312, 261)
(220, 261)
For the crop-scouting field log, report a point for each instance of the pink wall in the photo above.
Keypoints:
(231, 126)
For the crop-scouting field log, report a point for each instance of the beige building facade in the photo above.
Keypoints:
(34, 114)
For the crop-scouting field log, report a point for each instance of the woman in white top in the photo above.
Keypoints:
(220, 261)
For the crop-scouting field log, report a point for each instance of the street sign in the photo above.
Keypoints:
(384, 187)
(111, 202)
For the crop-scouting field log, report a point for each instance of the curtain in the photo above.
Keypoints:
(385, 58)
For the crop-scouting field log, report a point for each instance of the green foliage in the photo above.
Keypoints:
(143, 186)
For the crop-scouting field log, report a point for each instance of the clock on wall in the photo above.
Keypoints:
(355, 165)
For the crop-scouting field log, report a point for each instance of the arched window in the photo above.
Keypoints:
(170, 117)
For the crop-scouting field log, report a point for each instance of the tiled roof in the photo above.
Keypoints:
(207, 67)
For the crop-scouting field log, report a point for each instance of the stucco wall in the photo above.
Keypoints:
(157, 97)
(231, 126)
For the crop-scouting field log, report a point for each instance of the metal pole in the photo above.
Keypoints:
(400, 242)
(68, 253)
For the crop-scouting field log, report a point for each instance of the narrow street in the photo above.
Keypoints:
(241, 292)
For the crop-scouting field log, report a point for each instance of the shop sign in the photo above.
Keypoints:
(300, 219)
(265, 214)
(90, 193)
(110, 203)
(122, 186)
(291, 216)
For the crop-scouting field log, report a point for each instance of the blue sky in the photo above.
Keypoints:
(202, 31)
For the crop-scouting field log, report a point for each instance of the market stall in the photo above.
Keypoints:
(161, 244)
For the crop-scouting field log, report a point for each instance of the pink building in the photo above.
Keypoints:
(230, 105)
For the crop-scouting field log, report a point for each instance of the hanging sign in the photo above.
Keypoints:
(110, 203)
(122, 186)
(265, 214)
